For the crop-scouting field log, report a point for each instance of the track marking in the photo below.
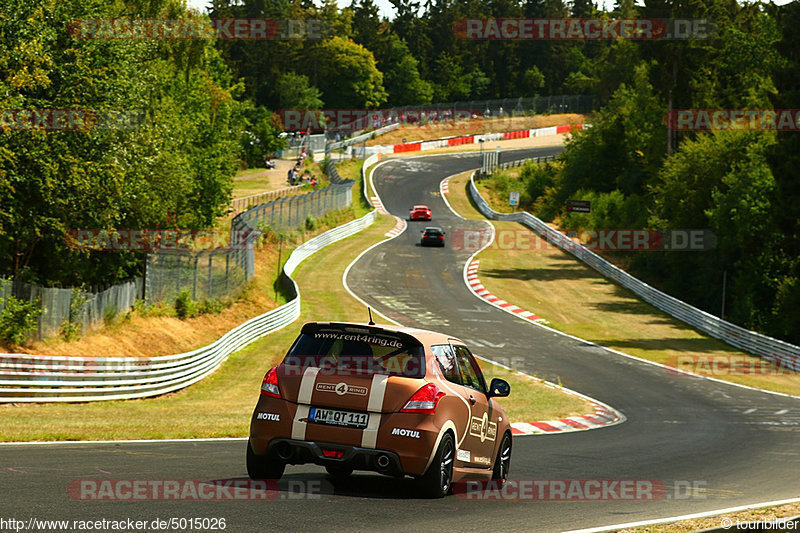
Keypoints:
(629, 525)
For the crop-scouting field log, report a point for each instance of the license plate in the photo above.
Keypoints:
(335, 417)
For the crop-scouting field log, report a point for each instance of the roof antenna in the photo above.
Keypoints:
(371, 323)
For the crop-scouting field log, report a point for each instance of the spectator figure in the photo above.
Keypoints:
(500, 111)
(269, 163)
(313, 181)
(289, 176)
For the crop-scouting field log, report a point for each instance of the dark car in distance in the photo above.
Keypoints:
(432, 236)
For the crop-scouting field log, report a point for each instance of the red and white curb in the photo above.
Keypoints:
(398, 228)
(475, 286)
(602, 416)
(377, 204)
(445, 187)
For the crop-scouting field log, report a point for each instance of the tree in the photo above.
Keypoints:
(296, 92)
(348, 75)
(401, 77)
(176, 156)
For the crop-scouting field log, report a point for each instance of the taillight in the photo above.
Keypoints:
(424, 400)
(269, 387)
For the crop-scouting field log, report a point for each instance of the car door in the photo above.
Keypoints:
(482, 431)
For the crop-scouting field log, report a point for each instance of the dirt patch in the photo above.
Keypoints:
(256, 181)
(414, 133)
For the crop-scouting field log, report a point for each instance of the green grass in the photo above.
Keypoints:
(248, 171)
(530, 401)
(576, 299)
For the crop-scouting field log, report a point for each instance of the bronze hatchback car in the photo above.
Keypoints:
(398, 401)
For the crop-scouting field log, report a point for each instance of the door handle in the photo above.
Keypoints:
(471, 399)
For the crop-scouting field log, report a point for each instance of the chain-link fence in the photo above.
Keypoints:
(58, 304)
(206, 275)
(246, 202)
(213, 274)
(291, 212)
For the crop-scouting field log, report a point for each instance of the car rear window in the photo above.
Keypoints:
(358, 351)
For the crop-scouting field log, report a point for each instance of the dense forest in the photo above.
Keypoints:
(207, 108)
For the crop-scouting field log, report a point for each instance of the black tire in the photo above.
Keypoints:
(339, 472)
(502, 464)
(437, 482)
(263, 466)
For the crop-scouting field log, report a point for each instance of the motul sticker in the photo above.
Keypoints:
(405, 433)
(342, 388)
(275, 417)
(482, 428)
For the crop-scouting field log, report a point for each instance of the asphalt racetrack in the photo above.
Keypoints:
(707, 444)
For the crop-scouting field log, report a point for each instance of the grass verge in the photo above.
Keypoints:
(576, 299)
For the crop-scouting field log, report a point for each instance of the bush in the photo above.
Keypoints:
(141, 308)
(213, 306)
(18, 320)
(109, 315)
(537, 179)
(311, 223)
(71, 328)
(185, 307)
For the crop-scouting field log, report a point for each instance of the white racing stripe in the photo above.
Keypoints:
(303, 401)
(377, 391)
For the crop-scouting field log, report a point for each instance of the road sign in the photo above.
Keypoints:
(579, 206)
(513, 198)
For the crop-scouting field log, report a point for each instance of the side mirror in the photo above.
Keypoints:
(499, 388)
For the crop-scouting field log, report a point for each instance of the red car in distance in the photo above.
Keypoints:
(420, 212)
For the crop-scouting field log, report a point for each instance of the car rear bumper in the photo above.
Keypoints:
(294, 452)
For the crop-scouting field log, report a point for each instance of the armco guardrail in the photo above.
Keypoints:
(43, 378)
(787, 355)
